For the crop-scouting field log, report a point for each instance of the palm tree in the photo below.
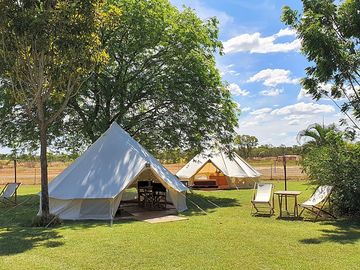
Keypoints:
(315, 135)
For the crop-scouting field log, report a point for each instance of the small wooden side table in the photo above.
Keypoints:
(284, 194)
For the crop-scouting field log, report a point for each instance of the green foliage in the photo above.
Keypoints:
(315, 135)
(245, 144)
(160, 84)
(47, 51)
(175, 155)
(329, 32)
(268, 150)
(337, 163)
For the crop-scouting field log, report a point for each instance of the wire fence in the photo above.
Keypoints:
(28, 172)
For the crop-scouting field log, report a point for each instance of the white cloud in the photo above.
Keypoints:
(227, 70)
(303, 94)
(286, 32)
(303, 108)
(237, 91)
(297, 116)
(273, 77)
(271, 92)
(261, 111)
(243, 110)
(255, 43)
(294, 122)
(270, 128)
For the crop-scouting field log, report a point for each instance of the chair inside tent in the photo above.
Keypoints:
(135, 196)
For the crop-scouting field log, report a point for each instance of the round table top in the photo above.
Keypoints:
(287, 192)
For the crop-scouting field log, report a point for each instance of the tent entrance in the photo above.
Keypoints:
(210, 176)
(134, 195)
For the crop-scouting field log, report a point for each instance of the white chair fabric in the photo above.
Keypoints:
(321, 193)
(263, 193)
(9, 191)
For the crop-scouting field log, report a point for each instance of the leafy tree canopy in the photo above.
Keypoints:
(160, 84)
(245, 144)
(330, 37)
(48, 49)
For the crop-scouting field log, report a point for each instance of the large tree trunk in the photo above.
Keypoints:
(44, 171)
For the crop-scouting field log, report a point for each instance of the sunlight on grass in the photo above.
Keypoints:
(227, 237)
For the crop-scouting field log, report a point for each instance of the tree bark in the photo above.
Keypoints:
(44, 172)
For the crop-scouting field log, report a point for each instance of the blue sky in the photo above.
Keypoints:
(263, 65)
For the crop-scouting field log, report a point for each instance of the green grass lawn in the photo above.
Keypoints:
(225, 238)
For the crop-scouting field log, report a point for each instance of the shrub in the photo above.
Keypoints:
(337, 164)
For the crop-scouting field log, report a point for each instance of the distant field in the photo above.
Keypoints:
(29, 172)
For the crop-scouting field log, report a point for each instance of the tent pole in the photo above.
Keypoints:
(111, 214)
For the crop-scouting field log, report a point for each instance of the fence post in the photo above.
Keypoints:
(35, 173)
(15, 176)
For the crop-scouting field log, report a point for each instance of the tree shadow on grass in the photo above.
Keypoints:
(88, 223)
(16, 235)
(345, 232)
(200, 204)
(14, 240)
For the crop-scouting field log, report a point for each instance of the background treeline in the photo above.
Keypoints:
(52, 157)
(175, 155)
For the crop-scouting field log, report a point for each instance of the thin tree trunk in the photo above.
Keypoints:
(44, 171)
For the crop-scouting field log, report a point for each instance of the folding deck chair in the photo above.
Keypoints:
(263, 197)
(317, 202)
(8, 192)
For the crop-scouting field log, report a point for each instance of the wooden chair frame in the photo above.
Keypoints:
(8, 201)
(145, 194)
(269, 204)
(159, 196)
(318, 210)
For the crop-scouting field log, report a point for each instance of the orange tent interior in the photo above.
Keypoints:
(208, 173)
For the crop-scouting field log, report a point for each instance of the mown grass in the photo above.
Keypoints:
(227, 237)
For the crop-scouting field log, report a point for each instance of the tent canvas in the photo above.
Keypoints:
(233, 167)
(93, 186)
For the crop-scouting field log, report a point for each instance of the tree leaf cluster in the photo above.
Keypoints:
(330, 39)
(337, 163)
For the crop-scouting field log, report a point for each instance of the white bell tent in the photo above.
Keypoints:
(223, 170)
(93, 186)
